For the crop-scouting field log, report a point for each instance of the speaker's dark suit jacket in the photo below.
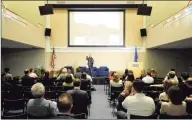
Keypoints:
(80, 101)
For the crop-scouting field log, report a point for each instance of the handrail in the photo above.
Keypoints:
(170, 15)
(21, 17)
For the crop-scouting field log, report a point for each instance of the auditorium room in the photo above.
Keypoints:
(96, 59)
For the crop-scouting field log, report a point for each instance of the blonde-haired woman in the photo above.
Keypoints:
(116, 82)
(126, 92)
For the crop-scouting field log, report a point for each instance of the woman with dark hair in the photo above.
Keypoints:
(46, 80)
(176, 106)
(68, 81)
(125, 74)
(130, 76)
(84, 76)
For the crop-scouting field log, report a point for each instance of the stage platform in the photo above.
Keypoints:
(98, 80)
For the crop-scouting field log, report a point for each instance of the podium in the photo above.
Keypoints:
(136, 67)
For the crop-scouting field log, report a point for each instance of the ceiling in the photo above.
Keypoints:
(181, 44)
(13, 44)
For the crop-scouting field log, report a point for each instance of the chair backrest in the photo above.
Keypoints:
(18, 104)
(28, 95)
(38, 117)
(80, 116)
(85, 85)
(115, 91)
(55, 88)
(163, 116)
(66, 88)
(50, 95)
(20, 116)
(154, 116)
(189, 107)
(12, 95)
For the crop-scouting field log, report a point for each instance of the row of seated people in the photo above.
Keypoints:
(39, 107)
(185, 90)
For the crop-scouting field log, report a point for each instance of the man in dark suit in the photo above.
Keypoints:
(26, 80)
(80, 99)
(64, 105)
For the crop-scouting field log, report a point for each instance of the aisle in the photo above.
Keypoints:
(100, 107)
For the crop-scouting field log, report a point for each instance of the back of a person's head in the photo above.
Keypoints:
(126, 71)
(68, 79)
(185, 75)
(46, 74)
(138, 85)
(16, 78)
(189, 81)
(65, 102)
(115, 77)
(38, 90)
(131, 77)
(148, 72)
(64, 70)
(69, 71)
(171, 74)
(26, 71)
(175, 95)
(7, 70)
(78, 70)
(166, 85)
(83, 75)
(31, 70)
(76, 83)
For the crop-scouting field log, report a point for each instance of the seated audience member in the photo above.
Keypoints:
(139, 104)
(171, 74)
(164, 95)
(148, 79)
(78, 73)
(65, 104)
(187, 89)
(7, 76)
(183, 79)
(40, 107)
(16, 82)
(116, 82)
(70, 73)
(126, 92)
(125, 74)
(130, 76)
(153, 74)
(26, 79)
(63, 74)
(111, 76)
(46, 80)
(68, 81)
(80, 99)
(143, 74)
(176, 106)
(32, 74)
(85, 76)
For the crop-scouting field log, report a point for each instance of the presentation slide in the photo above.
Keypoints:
(96, 28)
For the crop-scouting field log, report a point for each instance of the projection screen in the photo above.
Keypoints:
(96, 28)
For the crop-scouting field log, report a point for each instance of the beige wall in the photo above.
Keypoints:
(29, 10)
(23, 31)
(163, 34)
(164, 9)
(19, 59)
(114, 60)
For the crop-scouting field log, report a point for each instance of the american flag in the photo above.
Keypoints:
(53, 58)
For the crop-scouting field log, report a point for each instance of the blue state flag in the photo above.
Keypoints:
(136, 55)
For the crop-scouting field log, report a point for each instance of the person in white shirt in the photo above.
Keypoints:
(32, 74)
(171, 74)
(148, 79)
(139, 104)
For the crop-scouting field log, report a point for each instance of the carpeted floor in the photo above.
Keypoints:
(100, 108)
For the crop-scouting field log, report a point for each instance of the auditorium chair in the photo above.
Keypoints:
(106, 85)
(38, 117)
(114, 94)
(154, 116)
(55, 88)
(19, 116)
(28, 95)
(86, 86)
(13, 107)
(94, 72)
(103, 71)
(12, 95)
(50, 95)
(189, 107)
(82, 69)
(27, 88)
(163, 116)
(80, 116)
(66, 88)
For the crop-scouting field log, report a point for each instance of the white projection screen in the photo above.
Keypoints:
(96, 28)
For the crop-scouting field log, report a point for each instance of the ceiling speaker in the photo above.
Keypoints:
(47, 32)
(46, 10)
(143, 32)
(144, 10)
